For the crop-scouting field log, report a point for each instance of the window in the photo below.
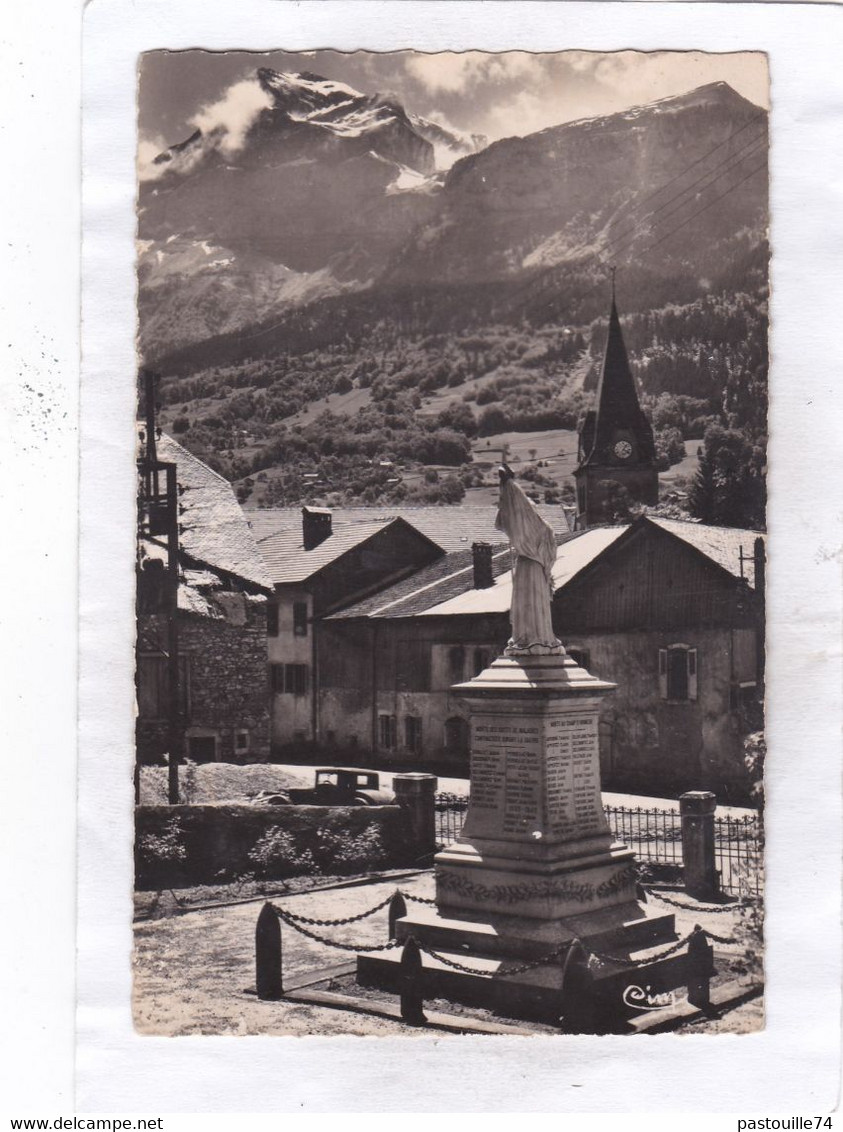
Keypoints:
(241, 741)
(386, 732)
(272, 619)
(456, 664)
(481, 660)
(456, 736)
(412, 666)
(289, 678)
(299, 618)
(295, 679)
(678, 673)
(202, 748)
(153, 686)
(580, 657)
(412, 733)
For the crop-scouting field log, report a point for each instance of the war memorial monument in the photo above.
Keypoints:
(536, 910)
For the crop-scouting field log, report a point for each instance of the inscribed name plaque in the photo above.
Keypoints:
(505, 776)
(572, 784)
(535, 777)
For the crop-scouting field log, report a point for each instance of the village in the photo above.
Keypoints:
(304, 689)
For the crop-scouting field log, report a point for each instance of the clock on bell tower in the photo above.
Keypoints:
(616, 443)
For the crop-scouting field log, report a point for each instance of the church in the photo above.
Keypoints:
(616, 461)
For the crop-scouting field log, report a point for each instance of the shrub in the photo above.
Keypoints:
(165, 847)
(276, 854)
(337, 852)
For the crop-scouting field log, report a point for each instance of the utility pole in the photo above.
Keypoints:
(160, 517)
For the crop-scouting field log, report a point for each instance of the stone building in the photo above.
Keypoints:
(616, 461)
(222, 602)
(670, 611)
(321, 562)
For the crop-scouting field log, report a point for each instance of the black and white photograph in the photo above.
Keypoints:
(451, 553)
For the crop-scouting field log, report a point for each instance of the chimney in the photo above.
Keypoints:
(316, 526)
(482, 554)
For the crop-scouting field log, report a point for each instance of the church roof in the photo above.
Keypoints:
(617, 408)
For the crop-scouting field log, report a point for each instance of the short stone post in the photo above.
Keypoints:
(700, 874)
(410, 979)
(268, 975)
(416, 795)
(700, 969)
(397, 910)
(577, 998)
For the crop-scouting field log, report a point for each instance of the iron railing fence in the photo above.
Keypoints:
(738, 852)
(655, 836)
(450, 815)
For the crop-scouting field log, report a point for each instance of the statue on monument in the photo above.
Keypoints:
(534, 544)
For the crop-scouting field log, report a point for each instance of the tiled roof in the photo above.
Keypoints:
(573, 555)
(442, 579)
(214, 531)
(288, 561)
(446, 588)
(722, 544)
(453, 527)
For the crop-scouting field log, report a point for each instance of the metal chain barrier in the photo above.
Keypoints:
(640, 962)
(283, 916)
(298, 922)
(717, 909)
(417, 899)
(555, 954)
(331, 923)
(720, 938)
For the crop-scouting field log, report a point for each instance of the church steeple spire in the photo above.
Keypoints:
(616, 439)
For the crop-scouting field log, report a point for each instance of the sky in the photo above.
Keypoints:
(504, 95)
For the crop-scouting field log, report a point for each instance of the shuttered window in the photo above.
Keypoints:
(678, 673)
(386, 732)
(289, 678)
(272, 619)
(300, 618)
(412, 733)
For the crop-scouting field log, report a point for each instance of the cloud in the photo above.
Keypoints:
(149, 146)
(452, 73)
(230, 118)
(637, 77)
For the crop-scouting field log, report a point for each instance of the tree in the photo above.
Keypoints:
(729, 488)
(619, 503)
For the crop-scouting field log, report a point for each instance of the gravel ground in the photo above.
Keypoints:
(194, 973)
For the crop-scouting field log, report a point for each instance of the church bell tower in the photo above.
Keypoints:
(616, 445)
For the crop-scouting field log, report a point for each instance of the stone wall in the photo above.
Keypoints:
(186, 845)
(651, 745)
(228, 690)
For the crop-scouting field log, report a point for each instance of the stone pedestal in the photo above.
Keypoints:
(535, 865)
(699, 868)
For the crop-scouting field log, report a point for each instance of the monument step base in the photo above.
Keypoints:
(535, 995)
(622, 927)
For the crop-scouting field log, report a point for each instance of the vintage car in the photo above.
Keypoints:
(334, 786)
